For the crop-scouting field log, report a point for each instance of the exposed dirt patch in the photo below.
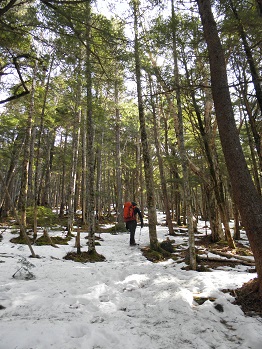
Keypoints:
(247, 297)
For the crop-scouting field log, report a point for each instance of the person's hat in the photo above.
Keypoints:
(134, 203)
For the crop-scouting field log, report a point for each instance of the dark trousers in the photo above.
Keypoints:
(131, 226)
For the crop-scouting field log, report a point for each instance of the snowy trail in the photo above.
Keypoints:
(125, 302)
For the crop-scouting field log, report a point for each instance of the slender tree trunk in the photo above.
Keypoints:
(5, 204)
(160, 163)
(63, 177)
(253, 158)
(178, 118)
(237, 224)
(176, 180)
(98, 204)
(84, 168)
(38, 161)
(73, 168)
(246, 197)
(119, 206)
(214, 216)
(152, 219)
(50, 141)
(31, 165)
(90, 139)
(141, 181)
(25, 165)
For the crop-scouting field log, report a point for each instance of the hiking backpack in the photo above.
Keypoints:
(129, 212)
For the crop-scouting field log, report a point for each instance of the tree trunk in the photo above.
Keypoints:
(213, 215)
(152, 219)
(73, 168)
(90, 140)
(179, 129)
(256, 171)
(119, 204)
(25, 166)
(50, 141)
(63, 175)
(5, 204)
(39, 160)
(237, 224)
(84, 168)
(246, 197)
(160, 163)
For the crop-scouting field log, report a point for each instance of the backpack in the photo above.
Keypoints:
(129, 212)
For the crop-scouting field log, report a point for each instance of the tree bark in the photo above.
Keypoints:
(160, 163)
(84, 168)
(25, 167)
(73, 169)
(39, 161)
(5, 204)
(152, 219)
(119, 204)
(90, 139)
(63, 177)
(179, 129)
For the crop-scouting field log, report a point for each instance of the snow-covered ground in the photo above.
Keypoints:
(125, 302)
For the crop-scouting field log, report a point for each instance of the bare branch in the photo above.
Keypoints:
(7, 7)
(14, 97)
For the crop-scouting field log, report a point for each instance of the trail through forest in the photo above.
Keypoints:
(125, 302)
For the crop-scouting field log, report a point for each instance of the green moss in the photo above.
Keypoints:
(20, 240)
(56, 240)
(155, 256)
(61, 241)
(85, 257)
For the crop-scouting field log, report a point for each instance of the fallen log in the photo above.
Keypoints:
(217, 259)
(231, 255)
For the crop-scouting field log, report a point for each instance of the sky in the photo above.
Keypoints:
(125, 302)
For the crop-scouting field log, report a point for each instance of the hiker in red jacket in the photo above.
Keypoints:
(130, 213)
